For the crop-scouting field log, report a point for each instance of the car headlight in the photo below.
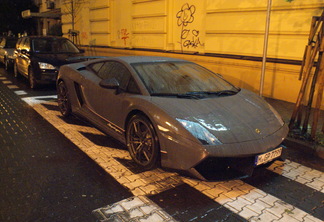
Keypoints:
(43, 65)
(200, 132)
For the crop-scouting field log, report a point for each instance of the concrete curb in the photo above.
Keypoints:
(305, 146)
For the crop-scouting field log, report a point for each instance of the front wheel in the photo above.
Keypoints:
(7, 64)
(142, 142)
(31, 78)
(63, 100)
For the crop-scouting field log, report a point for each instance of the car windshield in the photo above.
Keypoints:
(182, 78)
(54, 45)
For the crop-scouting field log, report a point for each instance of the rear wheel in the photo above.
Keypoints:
(63, 100)
(16, 72)
(142, 142)
(31, 79)
(6, 63)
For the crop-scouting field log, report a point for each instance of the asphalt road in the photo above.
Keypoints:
(56, 169)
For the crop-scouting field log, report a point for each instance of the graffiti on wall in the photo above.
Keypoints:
(189, 38)
(124, 35)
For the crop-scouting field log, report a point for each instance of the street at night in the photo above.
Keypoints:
(64, 169)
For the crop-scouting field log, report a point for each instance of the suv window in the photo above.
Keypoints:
(53, 45)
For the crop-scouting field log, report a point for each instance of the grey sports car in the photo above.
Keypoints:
(175, 114)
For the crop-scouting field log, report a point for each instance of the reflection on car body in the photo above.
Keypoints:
(174, 113)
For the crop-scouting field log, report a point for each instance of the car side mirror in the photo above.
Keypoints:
(109, 83)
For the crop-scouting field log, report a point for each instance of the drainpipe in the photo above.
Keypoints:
(265, 47)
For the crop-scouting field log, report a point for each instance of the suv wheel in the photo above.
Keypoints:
(31, 79)
(6, 62)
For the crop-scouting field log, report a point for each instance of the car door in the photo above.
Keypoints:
(109, 104)
(18, 54)
(25, 56)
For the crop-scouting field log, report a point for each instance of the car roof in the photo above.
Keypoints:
(44, 37)
(143, 59)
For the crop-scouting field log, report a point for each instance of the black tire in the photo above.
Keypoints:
(16, 72)
(6, 64)
(31, 79)
(142, 142)
(63, 99)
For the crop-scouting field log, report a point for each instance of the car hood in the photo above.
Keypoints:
(231, 119)
(60, 59)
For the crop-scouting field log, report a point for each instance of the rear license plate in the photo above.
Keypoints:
(267, 157)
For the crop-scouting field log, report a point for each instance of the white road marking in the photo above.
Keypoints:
(299, 173)
(38, 99)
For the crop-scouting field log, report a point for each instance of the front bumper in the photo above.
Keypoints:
(219, 162)
(47, 76)
(227, 168)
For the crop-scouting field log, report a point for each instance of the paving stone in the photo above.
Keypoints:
(215, 192)
(280, 208)
(258, 206)
(239, 204)
(265, 217)
(248, 213)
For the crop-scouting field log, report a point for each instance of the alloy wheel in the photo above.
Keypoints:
(64, 103)
(142, 142)
(31, 78)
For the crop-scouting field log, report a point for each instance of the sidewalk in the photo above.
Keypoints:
(285, 109)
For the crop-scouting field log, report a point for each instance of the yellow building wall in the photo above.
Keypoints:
(185, 28)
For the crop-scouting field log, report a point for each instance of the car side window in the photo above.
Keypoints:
(26, 45)
(132, 87)
(20, 43)
(96, 66)
(118, 71)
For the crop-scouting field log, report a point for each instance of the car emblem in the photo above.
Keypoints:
(257, 131)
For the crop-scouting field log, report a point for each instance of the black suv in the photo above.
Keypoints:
(39, 58)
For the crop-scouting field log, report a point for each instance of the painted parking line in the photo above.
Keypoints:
(249, 202)
(20, 92)
(131, 209)
(299, 173)
(39, 99)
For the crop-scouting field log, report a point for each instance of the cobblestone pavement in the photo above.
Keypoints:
(290, 190)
